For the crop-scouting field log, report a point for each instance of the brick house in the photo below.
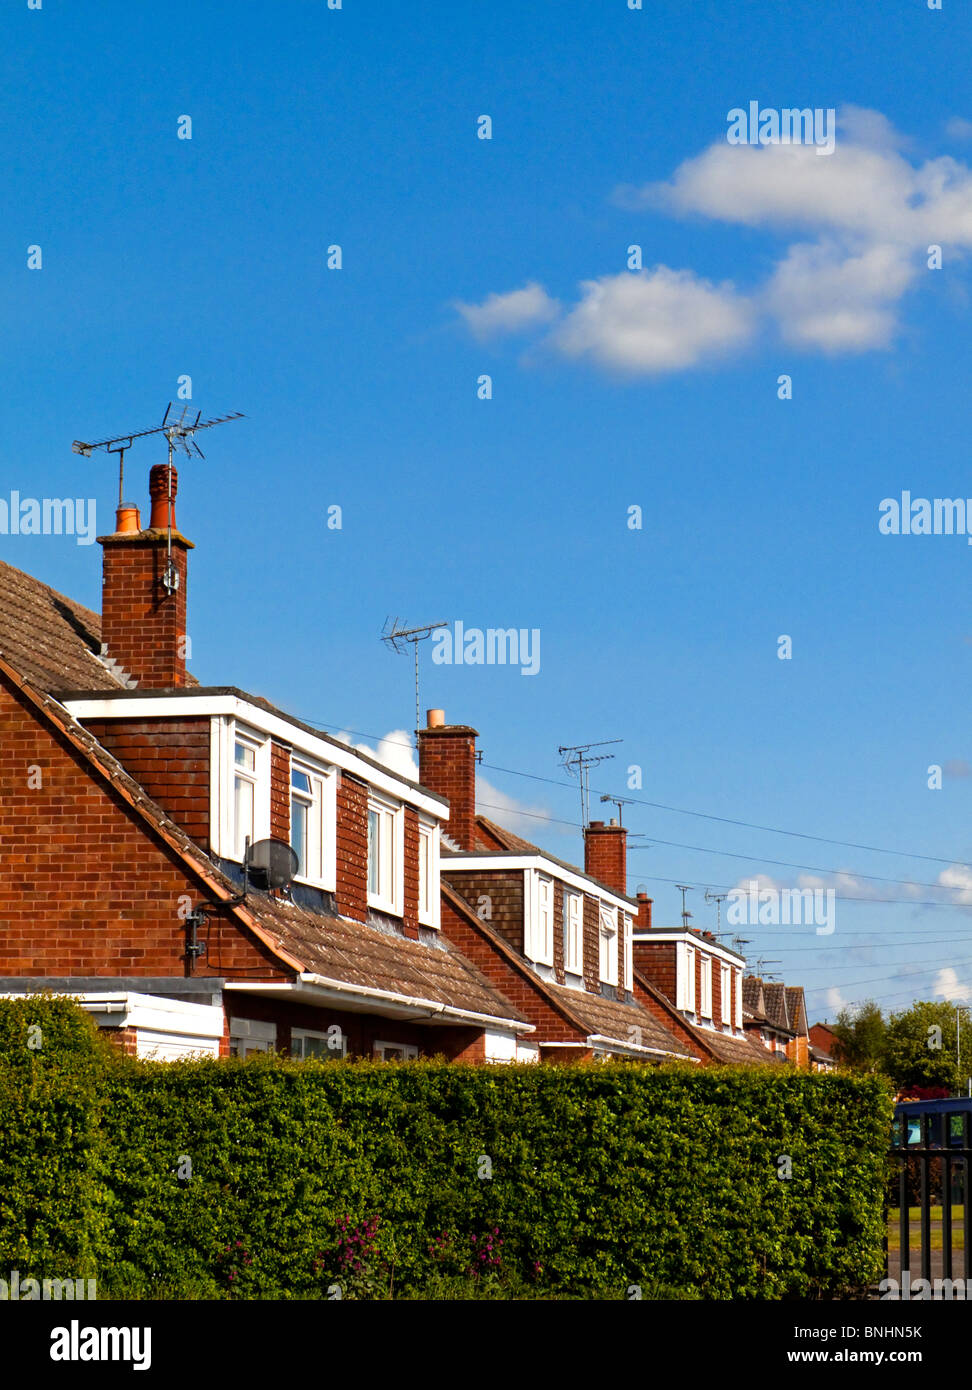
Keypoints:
(552, 937)
(775, 1016)
(128, 793)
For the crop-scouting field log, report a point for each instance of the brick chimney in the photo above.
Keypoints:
(643, 922)
(143, 608)
(606, 854)
(447, 765)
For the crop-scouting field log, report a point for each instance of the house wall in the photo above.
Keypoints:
(657, 962)
(496, 894)
(170, 759)
(515, 984)
(362, 1030)
(86, 888)
(279, 791)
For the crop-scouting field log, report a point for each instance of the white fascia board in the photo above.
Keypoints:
(338, 992)
(126, 1009)
(230, 706)
(633, 1049)
(721, 952)
(482, 863)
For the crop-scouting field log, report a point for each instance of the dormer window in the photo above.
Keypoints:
(312, 822)
(428, 854)
(685, 977)
(608, 944)
(628, 951)
(249, 805)
(538, 932)
(705, 1007)
(385, 855)
(573, 933)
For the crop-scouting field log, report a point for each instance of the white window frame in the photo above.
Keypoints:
(301, 1035)
(225, 734)
(725, 993)
(409, 1051)
(737, 983)
(705, 1003)
(322, 821)
(685, 977)
(628, 951)
(538, 934)
(251, 1035)
(428, 852)
(573, 932)
(389, 896)
(607, 933)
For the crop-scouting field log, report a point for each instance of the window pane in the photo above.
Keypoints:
(245, 757)
(298, 832)
(425, 848)
(374, 836)
(243, 811)
(300, 780)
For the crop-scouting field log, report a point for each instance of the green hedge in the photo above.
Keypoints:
(232, 1178)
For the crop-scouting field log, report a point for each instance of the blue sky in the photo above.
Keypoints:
(313, 127)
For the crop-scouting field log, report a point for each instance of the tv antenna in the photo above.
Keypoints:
(578, 761)
(619, 801)
(179, 431)
(764, 960)
(718, 899)
(395, 636)
(738, 941)
(684, 888)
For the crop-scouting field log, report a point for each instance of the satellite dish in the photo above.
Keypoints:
(271, 864)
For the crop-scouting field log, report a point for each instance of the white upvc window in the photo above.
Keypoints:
(396, 1052)
(738, 999)
(725, 993)
(538, 934)
(608, 941)
(705, 1006)
(251, 1035)
(628, 951)
(306, 1042)
(428, 853)
(312, 822)
(685, 977)
(248, 804)
(386, 847)
(573, 933)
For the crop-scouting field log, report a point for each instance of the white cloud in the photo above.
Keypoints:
(855, 226)
(958, 128)
(509, 313)
(947, 985)
(519, 817)
(824, 297)
(656, 321)
(835, 1000)
(957, 877)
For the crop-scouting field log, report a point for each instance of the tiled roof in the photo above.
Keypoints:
(796, 1010)
(722, 1046)
(357, 954)
(302, 941)
(753, 994)
(51, 640)
(774, 994)
(608, 1018)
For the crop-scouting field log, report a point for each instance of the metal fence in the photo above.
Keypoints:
(937, 1166)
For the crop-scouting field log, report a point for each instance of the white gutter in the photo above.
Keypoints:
(601, 1039)
(337, 989)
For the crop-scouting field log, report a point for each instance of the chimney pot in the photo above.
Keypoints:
(435, 718)
(127, 521)
(163, 497)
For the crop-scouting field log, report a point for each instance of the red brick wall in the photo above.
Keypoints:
(352, 847)
(447, 766)
(411, 922)
(362, 1030)
(143, 627)
(170, 759)
(514, 984)
(280, 792)
(671, 1019)
(503, 891)
(605, 854)
(656, 961)
(85, 887)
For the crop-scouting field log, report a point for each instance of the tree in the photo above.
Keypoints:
(861, 1034)
(920, 1047)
